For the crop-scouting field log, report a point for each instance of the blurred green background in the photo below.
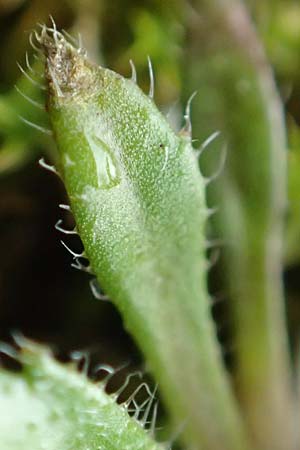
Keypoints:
(40, 294)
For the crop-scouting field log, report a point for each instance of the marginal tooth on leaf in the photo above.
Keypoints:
(42, 35)
(65, 207)
(80, 42)
(133, 71)
(212, 243)
(153, 420)
(111, 371)
(222, 163)
(218, 297)
(96, 291)
(53, 23)
(79, 266)
(79, 356)
(20, 339)
(37, 49)
(74, 254)
(35, 126)
(36, 83)
(137, 373)
(28, 65)
(212, 211)
(207, 142)
(146, 414)
(8, 350)
(136, 391)
(58, 227)
(213, 258)
(30, 100)
(48, 167)
(187, 128)
(151, 76)
(104, 368)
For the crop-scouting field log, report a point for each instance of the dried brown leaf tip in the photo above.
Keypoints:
(66, 66)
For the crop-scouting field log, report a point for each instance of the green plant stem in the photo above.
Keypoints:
(238, 95)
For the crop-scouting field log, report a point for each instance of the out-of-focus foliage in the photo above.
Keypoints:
(278, 24)
(293, 226)
(19, 144)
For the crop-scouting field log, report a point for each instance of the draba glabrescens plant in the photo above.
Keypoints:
(139, 202)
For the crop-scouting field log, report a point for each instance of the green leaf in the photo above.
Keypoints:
(50, 406)
(138, 199)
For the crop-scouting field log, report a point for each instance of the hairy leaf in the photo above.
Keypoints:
(50, 406)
